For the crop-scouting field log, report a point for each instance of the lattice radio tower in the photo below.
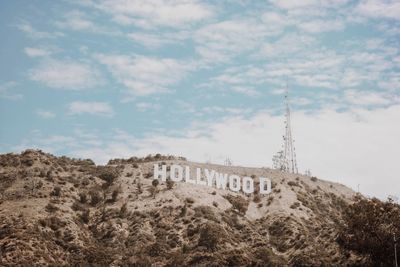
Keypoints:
(285, 160)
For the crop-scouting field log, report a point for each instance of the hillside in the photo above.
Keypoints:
(65, 212)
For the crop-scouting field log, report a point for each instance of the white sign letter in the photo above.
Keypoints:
(187, 176)
(209, 176)
(248, 185)
(157, 172)
(173, 174)
(234, 183)
(265, 182)
(220, 180)
(198, 177)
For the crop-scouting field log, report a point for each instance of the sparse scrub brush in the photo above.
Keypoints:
(94, 197)
(170, 184)
(123, 211)
(82, 198)
(56, 191)
(85, 216)
(211, 235)
(239, 203)
(114, 195)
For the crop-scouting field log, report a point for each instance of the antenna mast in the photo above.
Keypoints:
(285, 160)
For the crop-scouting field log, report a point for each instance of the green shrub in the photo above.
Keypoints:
(95, 197)
(369, 228)
(155, 182)
(239, 203)
(114, 195)
(51, 208)
(211, 235)
(170, 184)
(56, 191)
(123, 211)
(85, 216)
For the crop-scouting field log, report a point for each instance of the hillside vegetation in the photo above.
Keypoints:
(57, 211)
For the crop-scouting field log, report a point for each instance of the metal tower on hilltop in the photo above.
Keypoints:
(285, 160)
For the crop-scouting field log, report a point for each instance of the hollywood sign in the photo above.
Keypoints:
(212, 178)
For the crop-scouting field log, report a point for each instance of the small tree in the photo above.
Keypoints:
(82, 198)
(170, 184)
(107, 174)
(114, 195)
(56, 191)
(153, 189)
(139, 187)
(211, 234)
(85, 216)
(95, 197)
(123, 211)
(238, 203)
(369, 228)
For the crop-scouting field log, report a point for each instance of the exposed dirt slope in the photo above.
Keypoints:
(64, 212)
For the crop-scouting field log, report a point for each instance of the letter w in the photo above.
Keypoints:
(220, 179)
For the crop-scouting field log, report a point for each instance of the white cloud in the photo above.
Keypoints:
(307, 4)
(154, 13)
(145, 75)
(224, 40)
(289, 4)
(45, 114)
(318, 26)
(156, 40)
(6, 91)
(37, 52)
(278, 91)
(275, 21)
(27, 28)
(379, 9)
(226, 110)
(245, 90)
(78, 21)
(239, 79)
(92, 108)
(65, 74)
(146, 106)
(363, 98)
(359, 146)
(284, 46)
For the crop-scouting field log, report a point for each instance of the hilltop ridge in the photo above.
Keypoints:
(63, 211)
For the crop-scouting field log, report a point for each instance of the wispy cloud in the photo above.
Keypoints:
(156, 40)
(92, 108)
(156, 13)
(65, 74)
(32, 32)
(143, 75)
(318, 26)
(379, 9)
(41, 51)
(78, 21)
(45, 114)
(221, 41)
(363, 98)
(7, 93)
(147, 106)
(36, 52)
(249, 91)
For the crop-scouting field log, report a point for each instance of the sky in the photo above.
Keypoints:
(106, 79)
